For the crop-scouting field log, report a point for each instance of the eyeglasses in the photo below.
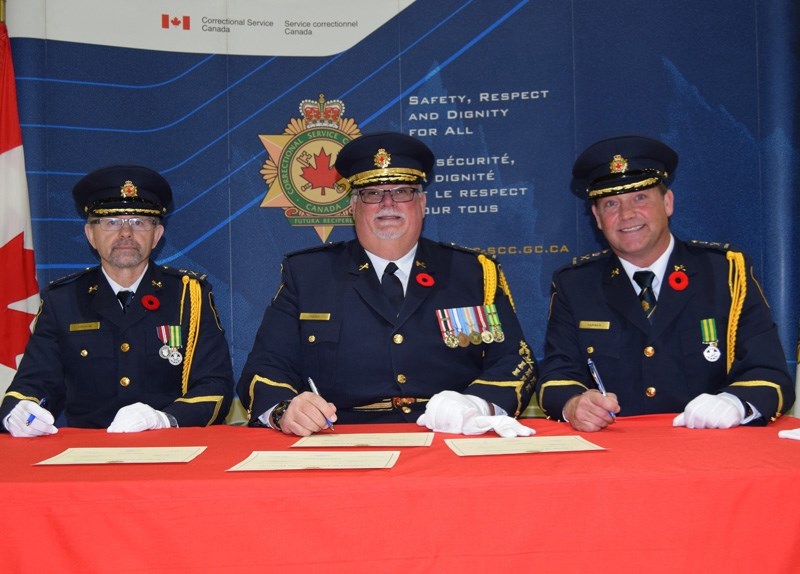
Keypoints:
(117, 223)
(398, 194)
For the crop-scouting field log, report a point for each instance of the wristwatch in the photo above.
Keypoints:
(277, 414)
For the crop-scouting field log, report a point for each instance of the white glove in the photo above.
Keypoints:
(138, 417)
(452, 412)
(446, 411)
(41, 420)
(706, 411)
(793, 434)
(503, 425)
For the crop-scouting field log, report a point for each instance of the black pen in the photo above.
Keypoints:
(598, 380)
(316, 392)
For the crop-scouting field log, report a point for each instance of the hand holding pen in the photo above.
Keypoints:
(314, 390)
(29, 419)
(598, 381)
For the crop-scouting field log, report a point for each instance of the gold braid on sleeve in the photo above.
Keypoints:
(737, 283)
(195, 308)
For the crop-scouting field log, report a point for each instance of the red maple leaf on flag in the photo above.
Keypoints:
(14, 325)
(321, 174)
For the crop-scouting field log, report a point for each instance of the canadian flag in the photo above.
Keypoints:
(19, 292)
(168, 21)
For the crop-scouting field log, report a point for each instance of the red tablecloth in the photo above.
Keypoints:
(659, 499)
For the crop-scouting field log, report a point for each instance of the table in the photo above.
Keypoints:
(659, 499)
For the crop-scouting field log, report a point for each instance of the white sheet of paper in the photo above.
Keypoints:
(308, 460)
(126, 455)
(519, 445)
(392, 439)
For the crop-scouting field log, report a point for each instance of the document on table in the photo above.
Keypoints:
(315, 460)
(392, 439)
(519, 445)
(126, 455)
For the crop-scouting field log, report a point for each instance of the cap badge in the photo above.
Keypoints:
(618, 164)
(383, 159)
(127, 189)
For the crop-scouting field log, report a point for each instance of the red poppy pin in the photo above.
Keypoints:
(678, 280)
(150, 302)
(425, 280)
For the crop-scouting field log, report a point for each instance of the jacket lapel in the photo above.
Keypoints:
(621, 296)
(671, 301)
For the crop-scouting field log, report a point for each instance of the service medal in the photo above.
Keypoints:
(175, 357)
(486, 334)
(708, 333)
(448, 336)
(163, 332)
(712, 353)
(451, 340)
(494, 324)
(471, 320)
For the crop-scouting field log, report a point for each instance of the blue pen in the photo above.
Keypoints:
(316, 392)
(597, 380)
(32, 417)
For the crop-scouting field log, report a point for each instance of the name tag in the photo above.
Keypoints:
(84, 326)
(315, 316)
(598, 325)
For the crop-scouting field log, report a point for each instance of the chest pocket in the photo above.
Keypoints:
(316, 333)
(94, 344)
(600, 342)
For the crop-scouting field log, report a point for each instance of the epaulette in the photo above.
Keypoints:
(314, 249)
(69, 278)
(581, 259)
(715, 245)
(471, 250)
(181, 272)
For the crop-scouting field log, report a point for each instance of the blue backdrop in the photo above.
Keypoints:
(506, 92)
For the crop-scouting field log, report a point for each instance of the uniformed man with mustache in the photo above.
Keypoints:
(128, 345)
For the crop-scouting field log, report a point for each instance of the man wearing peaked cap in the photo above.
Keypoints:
(122, 189)
(385, 157)
(670, 326)
(391, 326)
(120, 345)
(623, 164)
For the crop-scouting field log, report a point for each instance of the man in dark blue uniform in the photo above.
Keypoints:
(127, 345)
(671, 326)
(390, 326)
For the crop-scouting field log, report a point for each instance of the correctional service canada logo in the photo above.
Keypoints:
(299, 171)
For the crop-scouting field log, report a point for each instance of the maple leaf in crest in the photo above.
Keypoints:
(16, 286)
(321, 175)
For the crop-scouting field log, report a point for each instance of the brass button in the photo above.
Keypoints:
(124, 381)
(84, 353)
(650, 392)
(649, 351)
(311, 338)
(405, 409)
(590, 350)
(125, 347)
(401, 378)
(397, 339)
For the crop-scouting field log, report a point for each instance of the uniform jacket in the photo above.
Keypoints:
(595, 313)
(88, 358)
(330, 321)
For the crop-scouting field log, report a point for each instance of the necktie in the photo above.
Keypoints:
(125, 298)
(646, 296)
(392, 287)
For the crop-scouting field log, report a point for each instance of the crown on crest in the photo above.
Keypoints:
(321, 113)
